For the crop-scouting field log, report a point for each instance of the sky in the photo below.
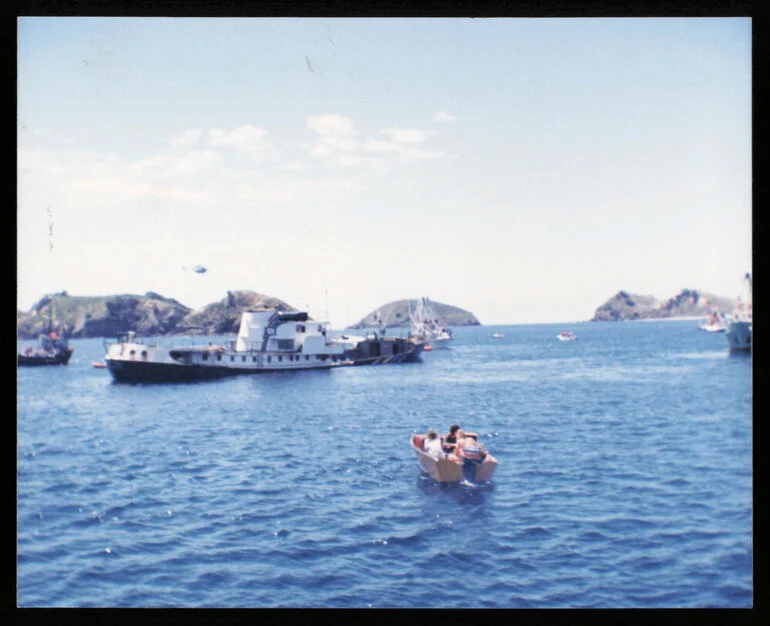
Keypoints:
(525, 170)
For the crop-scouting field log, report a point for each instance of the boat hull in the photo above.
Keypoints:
(384, 351)
(149, 372)
(36, 360)
(712, 328)
(738, 335)
(449, 470)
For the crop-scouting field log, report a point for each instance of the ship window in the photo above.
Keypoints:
(307, 357)
(219, 357)
(280, 358)
(132, 353)
(300, 328)
(243, 359)
(269, 359)
(205, 357)
(232, 358)
(254, 359)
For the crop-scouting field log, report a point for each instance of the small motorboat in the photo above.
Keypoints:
(497, 335)
(427, 348)
(99, 366)
(566, 335)
(449, 469)
(715, 323)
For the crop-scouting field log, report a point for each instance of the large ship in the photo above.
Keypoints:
(740, 323)
(268, 341)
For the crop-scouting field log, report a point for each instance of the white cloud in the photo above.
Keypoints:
(187, 139)
(441, 116)
(292, 191)
(406, 135)
(336, 145)
(247, 138)
(330, 125)
(128, 189)
(41, 161)
(162, 166)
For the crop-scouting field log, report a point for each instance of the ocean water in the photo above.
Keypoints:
(624, 479)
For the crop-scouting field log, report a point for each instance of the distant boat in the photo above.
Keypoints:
(566, 335)
(425, 326)
(53, 348)
(99, 366)
(715, 323)
(497, 335)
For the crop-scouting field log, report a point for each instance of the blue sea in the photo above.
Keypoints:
(624, 479)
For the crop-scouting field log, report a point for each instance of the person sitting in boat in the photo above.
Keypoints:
(470, 452)
(432, 445)
(450, 439)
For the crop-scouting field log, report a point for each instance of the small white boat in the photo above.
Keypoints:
(715, 323)
(497, 335)
(566, 335)
(449, 469)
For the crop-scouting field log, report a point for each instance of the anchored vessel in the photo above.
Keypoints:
(382, 350)
(740, 322)
(267, 341)
(53, 348)
(425, 326)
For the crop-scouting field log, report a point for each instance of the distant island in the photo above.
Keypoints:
(152, 314)
(148, 315)
(688, 303)
(397, 315)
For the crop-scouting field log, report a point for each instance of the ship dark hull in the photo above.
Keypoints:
(386, 360)
(36, 360)
(385, 350)
(148, 372)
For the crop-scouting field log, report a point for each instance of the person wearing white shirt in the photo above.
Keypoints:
(433, 445)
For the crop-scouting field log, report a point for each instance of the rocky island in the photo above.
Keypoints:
(688, 303)
(397, 315)
(147, 315)
(152, 314)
